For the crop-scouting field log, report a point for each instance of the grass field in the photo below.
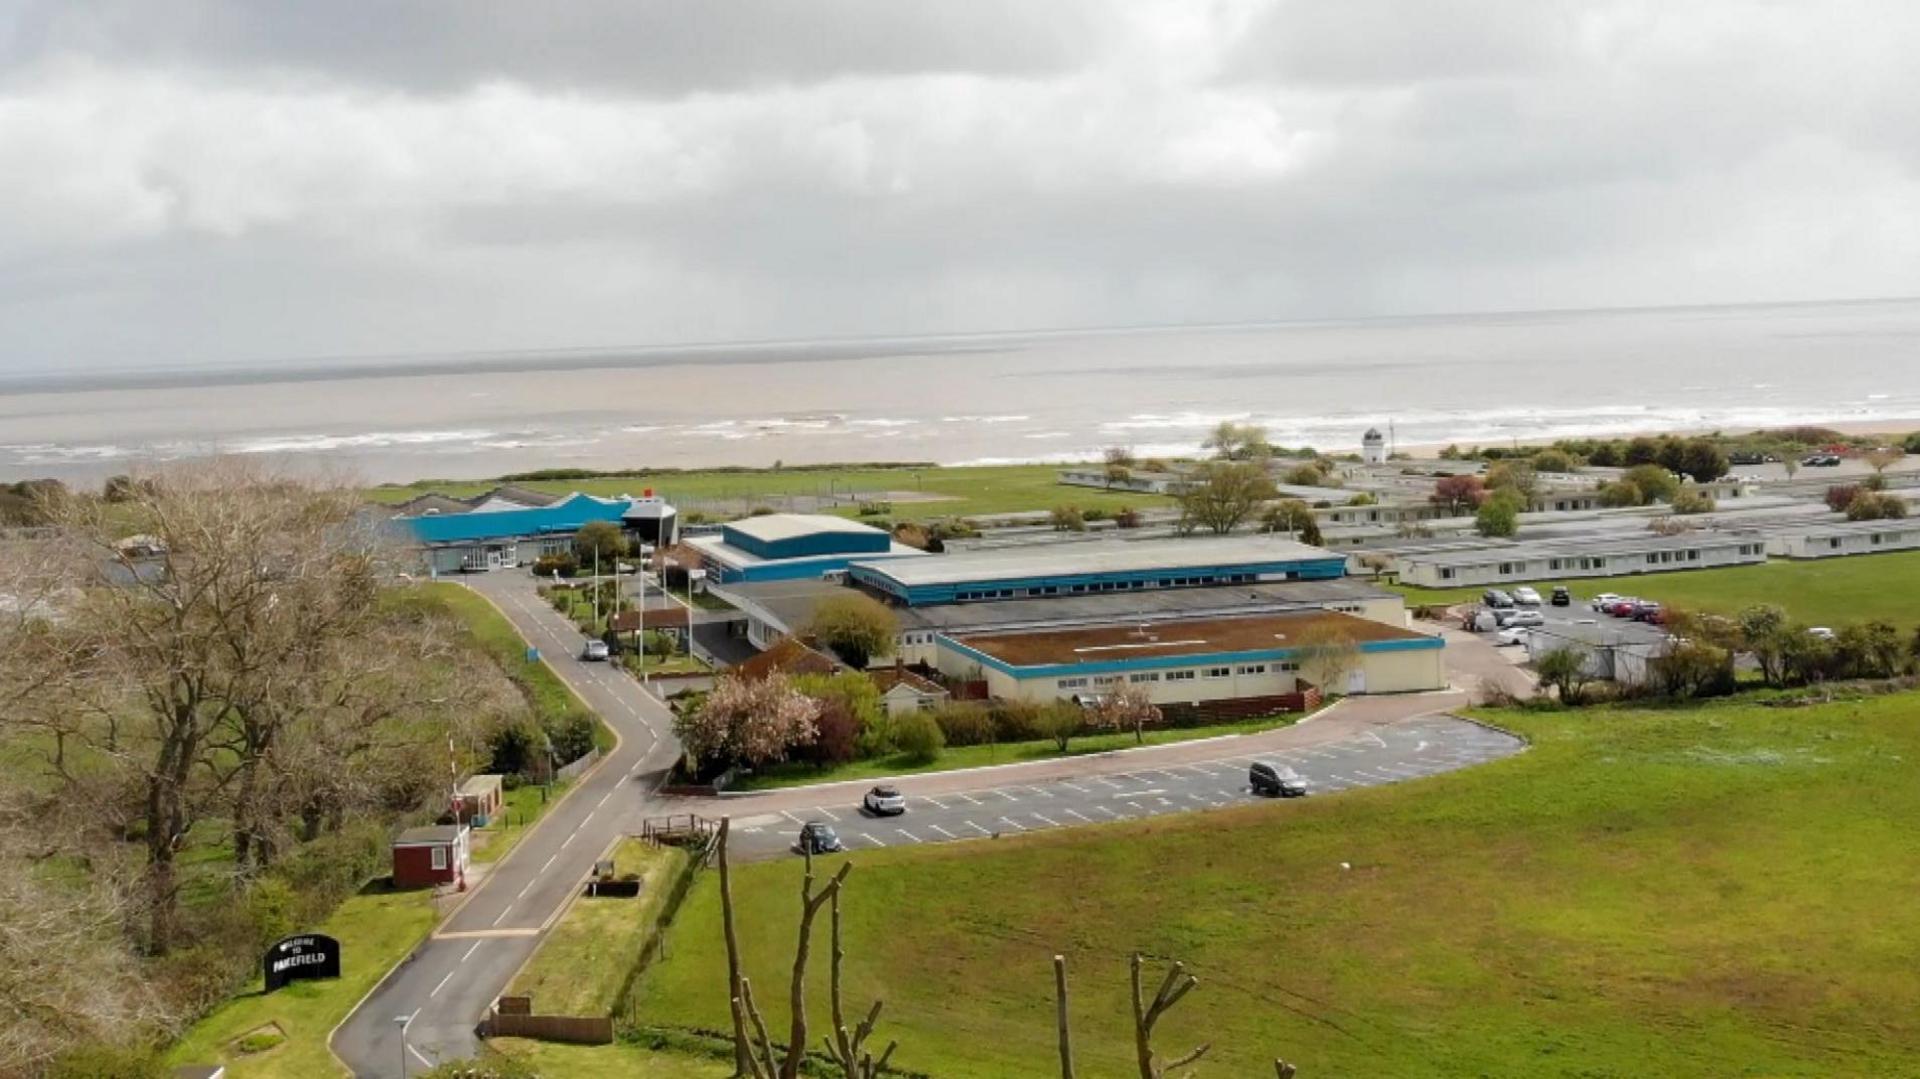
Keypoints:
(948, 492)
(1725, 889)
(551, 1059)
(376, 930)
(582, 964)
(544, 689)
(795, 774)
(1829, 592)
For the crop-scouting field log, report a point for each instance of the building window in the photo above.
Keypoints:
(1107, 680)
(1289, 666)
(1252, 668)
(439, 857)
(1146, 677)
(1179, 676)
(1219, 672)
(1446, 575)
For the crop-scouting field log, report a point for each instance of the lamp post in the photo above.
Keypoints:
(402, 1021)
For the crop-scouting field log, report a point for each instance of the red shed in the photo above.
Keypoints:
(426, 857)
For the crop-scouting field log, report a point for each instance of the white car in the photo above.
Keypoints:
(1512, 635)
(1525, 596)
(1602, 601)
(594, 652)
(1526, 618)
(884, 801)
(1821, 632)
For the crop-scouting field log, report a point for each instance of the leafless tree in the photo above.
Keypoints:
(1147, 1014)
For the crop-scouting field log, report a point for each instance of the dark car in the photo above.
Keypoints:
(1651, 613)
(817, 837)
(884, 801)
(1496, 598)
(1275, 780)
(1561, 597)
(1821, 460)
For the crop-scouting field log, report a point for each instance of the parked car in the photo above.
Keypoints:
(817, 837)
(1602, 601)
(1527, 618)
(1821, 632)
(1561, 596)
(595, 651)
(884, 801)
(1275, 780)
(1820, 460)
(1623, 608)
(1495, 598)
(1651, 613)
(1525, 596)
(1512, 635)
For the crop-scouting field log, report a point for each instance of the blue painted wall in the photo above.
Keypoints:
(810, 545)
(1148, 663)
(1304, 569)
(565, 516)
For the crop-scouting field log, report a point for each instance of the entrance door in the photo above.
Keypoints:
(1356, 682)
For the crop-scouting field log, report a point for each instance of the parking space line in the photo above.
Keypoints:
(968, 798)
(935, 801)
(911, 838)
(1073, 786)
(1228, 794)
(827, 813)
(943, 831)
(1038, 791)
(1081, 816)
(791, 817)
(1108, 782)
(1003, 794)
(976, 827)
(1017, 826)
(1197, 798)
(871, 839)
(1049, 820)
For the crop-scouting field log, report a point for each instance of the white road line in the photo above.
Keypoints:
(409, 1022)
(527, 887)
(934, 801)
(1038, 791)
(968, 798)
(1073, 786)
(827, 813)
(1016, 824)
(583, 824)
(911, 838)
(1003, 794)
(1107, 811)
(1082, 816)
(603, 801)
(549, 863)
(976, 827)
(795, 820)
(502, 916)
(569, 839)
(943, 831)
(1108, 782)
(871, 840)
(1048, 819)
(1136, 807)
(470, 951)
(442, 985)
(419, 1056)
(1190, 794)
(1165, 801)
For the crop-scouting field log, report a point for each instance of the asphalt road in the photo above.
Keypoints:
(445, 987)
(1371, 756)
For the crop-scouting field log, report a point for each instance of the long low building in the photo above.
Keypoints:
(1191, 661)
(1069, 569)
(1601, 556)
(789, 546)
(1848, 538)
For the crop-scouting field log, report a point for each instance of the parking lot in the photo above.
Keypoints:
(1380, 755)
(1580, 620)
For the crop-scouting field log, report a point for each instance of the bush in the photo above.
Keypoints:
(1841, 497)
(1016, 721)
(762, 511)
(1655, 483)
(1688, 500)
(1068, 519)
(1308, 475)
(1552, 461)
(964, 724)
(106, 1062)
(1875, 506)
(875, 509)
(566, 565)
(1500, 517)
(1126, 517)
(836, 735)
(918, 738)
(1094, 513)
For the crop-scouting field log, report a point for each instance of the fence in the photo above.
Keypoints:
(1237, 708)
(628, 1006)
(574, 1029)
(569, 772)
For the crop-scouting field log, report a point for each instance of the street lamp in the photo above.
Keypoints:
(401, 1021)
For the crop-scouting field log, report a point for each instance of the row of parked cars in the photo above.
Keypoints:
(1524, 596)
(1635, 610)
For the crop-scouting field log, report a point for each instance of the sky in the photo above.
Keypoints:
(252, 181)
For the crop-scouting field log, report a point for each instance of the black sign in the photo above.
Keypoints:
(296, 958)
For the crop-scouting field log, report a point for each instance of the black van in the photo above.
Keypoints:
(1275, 780)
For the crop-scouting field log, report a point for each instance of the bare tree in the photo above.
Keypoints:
(1878, 459)
(1177, 984)
(1325, 654)
(1061, 1026)
(1124, 708)
(848, 1048)
(1220, 495)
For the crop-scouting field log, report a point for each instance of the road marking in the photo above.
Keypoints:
(1139, 794)
(791, 817)
(1038, 791)
(1166, 801)
(1107, 811)
(1003, 794)
(871, 840)
(1193, 796)
(502, 916)
(943, 831)
(1017, 826)
(470, 951)
(1080, 815)
(549, 862)
(968, 798)
(1048, 819)
(1136, 807)
(976, 827)
(1108, 782)
(442, 985)
(525, 888)
(603, 798)
(418, 1055)
(409, 1022)
(569, 839)
(1073, 786)
(911, 838)
(934, 801)
(583, 823)
(827, 813)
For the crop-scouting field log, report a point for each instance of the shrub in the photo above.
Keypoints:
(1307, 475)
(918, 738)
(1840, 498)
(1126, 517)
(1059, 722)
(760, 511)
(1552, 461)
(964, 724)
(1016, 721)
(1688, 500)
(836, 735)
(1068, 519)
(1655, 483)
(875, 509)
(1875, 506)
(1500, 517)
(1094, 513)
(1363, 498)
(1622, 493)
(565, 565)
(106, 1062)
(856, 627)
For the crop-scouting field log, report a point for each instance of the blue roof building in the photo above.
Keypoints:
(504, 535)
(790, 546)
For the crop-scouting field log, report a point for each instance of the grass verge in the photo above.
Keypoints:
(376, 930)
(798, 774)
(1830, 592)
(1723, 889)
(621, 1058)
(583, 963)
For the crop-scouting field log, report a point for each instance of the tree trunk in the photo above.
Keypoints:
(742, 1053)
(1060, 1016)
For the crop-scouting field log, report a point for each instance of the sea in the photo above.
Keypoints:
(986, 398)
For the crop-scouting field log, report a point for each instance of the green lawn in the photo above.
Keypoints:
(376, 930)
(544, 689)
(1723, 890)
(583, 963)
(624, 1059)
(961, 492)
(1830, 592)
(796, 774)
(524, 808)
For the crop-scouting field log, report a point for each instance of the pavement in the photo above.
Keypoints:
(446, 986)
(427, 1009)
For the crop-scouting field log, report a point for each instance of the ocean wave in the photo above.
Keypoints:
(370, 440)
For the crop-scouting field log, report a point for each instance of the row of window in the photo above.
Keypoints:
(1185, 581)
(1654, 558)
(1143, 677)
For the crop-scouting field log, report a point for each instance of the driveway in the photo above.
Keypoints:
(446, 986)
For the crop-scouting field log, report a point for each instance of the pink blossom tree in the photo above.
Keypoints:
(1125, 708)
(748, 721)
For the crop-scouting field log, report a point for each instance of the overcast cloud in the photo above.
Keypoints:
(219, 180)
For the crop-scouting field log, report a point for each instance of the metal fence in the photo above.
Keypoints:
(569, 772)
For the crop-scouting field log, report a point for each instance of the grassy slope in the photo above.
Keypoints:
(969, 491)
(1722, 890)
(582, 964)
(550, 1059)
(795, 774)
(1828, 592)
(376, 931)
